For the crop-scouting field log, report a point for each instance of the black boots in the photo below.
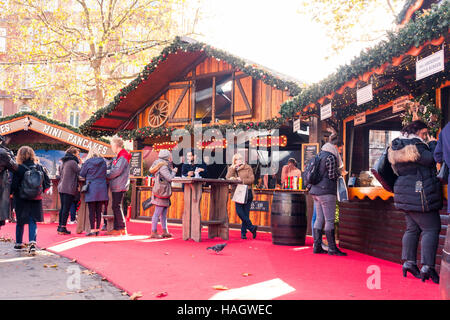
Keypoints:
(317, 235)
(62, 230)
(411, 267)
(428, 272)
(333, 250)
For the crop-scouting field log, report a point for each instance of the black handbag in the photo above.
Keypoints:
(443, 173)
(147, 203)
(384, 173)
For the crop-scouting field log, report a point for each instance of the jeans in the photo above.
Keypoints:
(429, 225)
(95, 213)
(119, 219)
(159, 212)
(32, 231)
(313, 220)
(325, 211)
(243, 211)
(66, 202)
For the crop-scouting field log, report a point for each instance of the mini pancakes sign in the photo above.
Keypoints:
(64, 135)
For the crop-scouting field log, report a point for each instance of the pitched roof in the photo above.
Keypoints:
(174, 61)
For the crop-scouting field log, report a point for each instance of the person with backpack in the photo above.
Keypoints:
(417, 192)
(161, 192)
(119, 182)
(321, 174)
(68, 186)
(7, 165)
(94, 171)
(29, 183)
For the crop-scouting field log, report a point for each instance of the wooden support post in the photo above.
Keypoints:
(134, 202)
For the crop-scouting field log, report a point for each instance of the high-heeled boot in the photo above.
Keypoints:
(333, 250)
(411, 266)
(428, 272)
(317, 247)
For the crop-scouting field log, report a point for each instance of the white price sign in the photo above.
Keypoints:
(296, 125)
(326, 112)
(430, 65)
(364, 95)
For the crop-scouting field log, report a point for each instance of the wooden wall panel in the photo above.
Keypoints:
(239, 103)
(277, 100)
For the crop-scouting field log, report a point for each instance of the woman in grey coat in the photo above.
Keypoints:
(162, 169)
(94, 170)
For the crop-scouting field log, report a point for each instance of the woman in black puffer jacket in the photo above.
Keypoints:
(417, 192)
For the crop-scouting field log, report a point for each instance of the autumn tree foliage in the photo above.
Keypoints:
(79, 53)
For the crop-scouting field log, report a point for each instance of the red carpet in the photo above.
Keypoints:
(186, 270)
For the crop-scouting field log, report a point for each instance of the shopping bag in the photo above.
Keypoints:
(240, 194)
(342, 194)
(443, 174)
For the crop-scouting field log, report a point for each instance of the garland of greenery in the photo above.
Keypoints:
(46, 119)
(149, 132)
(427, 27)
(427, 112)
(240, 64)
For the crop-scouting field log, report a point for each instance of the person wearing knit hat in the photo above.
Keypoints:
(164, 172)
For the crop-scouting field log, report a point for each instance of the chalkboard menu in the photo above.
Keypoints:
(136, 164)
(309, 151)
(260, 206)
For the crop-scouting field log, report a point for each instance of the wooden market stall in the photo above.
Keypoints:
(371, 99)
(191, 82)
(49, 139)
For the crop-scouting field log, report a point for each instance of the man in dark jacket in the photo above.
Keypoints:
(7, 164)
(68, 185)
(417, 192)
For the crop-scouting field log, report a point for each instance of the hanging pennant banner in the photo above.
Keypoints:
(430, 65)
(325, 112)
(364, 95)
(360, 118)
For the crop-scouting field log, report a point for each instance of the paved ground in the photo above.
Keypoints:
(47, 276)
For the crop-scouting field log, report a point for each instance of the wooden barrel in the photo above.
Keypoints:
(444, 281)
(288, 219)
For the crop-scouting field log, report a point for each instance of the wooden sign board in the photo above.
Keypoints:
(400, 104)
(136, 164)
(364, 94)
(64, 135)
(360, 118)
(259, 206)
(309, 151)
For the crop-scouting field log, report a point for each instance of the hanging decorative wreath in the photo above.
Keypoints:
(423, 108)
(158, 114)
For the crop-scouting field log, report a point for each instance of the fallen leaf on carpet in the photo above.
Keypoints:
(220, 287)
(136, 295)
(124, 293)
(88, 272)
(104, 279)
(161, 294)
(73, 260)
(166, 253)
(246, 274)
